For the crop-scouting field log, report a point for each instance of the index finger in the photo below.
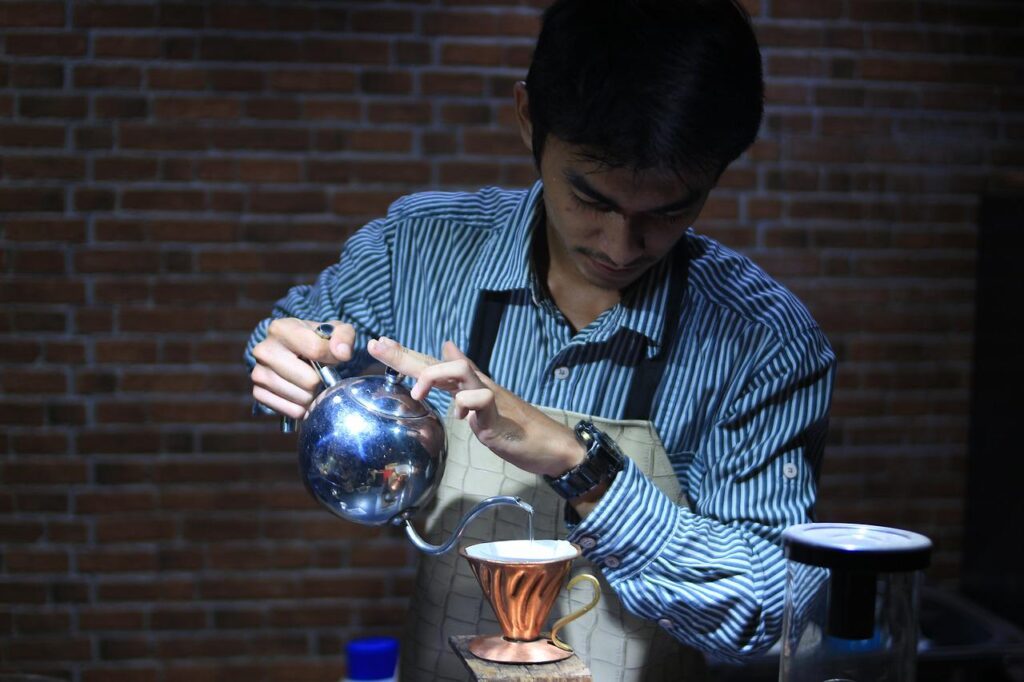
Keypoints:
(400, 358)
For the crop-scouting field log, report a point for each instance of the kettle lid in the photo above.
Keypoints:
(386, 395)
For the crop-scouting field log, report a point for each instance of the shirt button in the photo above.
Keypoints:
(588, 542)
(665, 623)
(611, 562)
(789, 470)
(561, 372)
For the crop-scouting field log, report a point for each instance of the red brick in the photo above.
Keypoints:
(52, 107)
(273, 108)
(121, 107)
(137, 47)
(94, 137)
(107, 561)
(316, 80)
(807, 9)
(107, 77)
(399, 112)
(38, 262)
(126, 647)
(37, 75)
(97, 260)
(124, 168)
(42, 502)
(237, 79)
(114, 502)
(177, 619)
(332, 110)
(271, 201)
(256, 18)
(440, 83)
(234, 49)
(21, 593)
(133, 674)
(412, 52)
(472, 54)
(43, 44)
(347, 51)
(469, 173)
(43, 167)
(63, 649)
(176, 79)
(58, 622)
(31, 136)
(182, 108)
(32, 14)
(144, 136)
(385, 82)
(14, 380)
(94, 199)
(269, 170)
(493, 143)
(34, 229)
(382, 21)
(99, 15)
(135, 529)
(19, 290)
(284, 139)
(36, 561)
(106, 619)
(380, 141)
(163, 200)
(165, 589)
(463, 23)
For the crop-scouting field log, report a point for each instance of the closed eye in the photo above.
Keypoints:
(591, 205)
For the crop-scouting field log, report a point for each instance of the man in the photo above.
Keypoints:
(584, 318)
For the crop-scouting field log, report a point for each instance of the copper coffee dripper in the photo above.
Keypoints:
(521, 579)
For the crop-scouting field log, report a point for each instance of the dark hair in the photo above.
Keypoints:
(648, 84)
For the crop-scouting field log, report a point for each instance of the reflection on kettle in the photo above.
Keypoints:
(371, 453)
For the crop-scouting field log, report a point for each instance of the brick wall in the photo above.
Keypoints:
(169, 169)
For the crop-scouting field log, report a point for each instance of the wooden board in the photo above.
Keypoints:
(571, 669)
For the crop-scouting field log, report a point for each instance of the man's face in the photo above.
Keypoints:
(609, 225)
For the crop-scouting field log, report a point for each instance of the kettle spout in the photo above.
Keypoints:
(428, 548)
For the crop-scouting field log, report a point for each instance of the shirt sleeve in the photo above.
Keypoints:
(713, 574)
(357, 290)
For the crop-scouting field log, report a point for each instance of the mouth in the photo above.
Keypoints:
(610, 270)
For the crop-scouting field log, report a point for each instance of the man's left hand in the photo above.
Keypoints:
(509, 426)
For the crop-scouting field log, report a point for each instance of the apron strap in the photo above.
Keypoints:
(484, 331)
(647, 375)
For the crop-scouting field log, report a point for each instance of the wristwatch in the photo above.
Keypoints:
(603, 460)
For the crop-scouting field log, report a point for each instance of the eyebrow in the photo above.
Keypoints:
(580, 183)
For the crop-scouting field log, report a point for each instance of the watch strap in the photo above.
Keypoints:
(602, 460)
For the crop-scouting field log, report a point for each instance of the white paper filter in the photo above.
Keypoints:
(523, 551)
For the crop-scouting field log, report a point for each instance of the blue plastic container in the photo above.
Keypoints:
(372, 659)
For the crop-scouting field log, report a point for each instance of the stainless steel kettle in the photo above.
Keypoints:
(371, 453)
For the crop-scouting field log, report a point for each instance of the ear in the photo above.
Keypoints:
(522, 101)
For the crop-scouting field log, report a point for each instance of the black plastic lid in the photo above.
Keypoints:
(857, 547)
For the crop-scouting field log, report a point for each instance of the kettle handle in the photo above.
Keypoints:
(428, 548)
(328, 377)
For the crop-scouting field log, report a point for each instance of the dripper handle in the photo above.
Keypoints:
(428, 548)
(565, 620)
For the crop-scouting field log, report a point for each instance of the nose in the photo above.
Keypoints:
(624, 238)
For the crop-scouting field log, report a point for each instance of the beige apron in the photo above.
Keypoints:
(617, 646)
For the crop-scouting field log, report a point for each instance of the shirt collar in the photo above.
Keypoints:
(642, 308)
(498, 272)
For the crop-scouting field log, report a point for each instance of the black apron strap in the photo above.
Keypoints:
(484, 331)
(649, 371)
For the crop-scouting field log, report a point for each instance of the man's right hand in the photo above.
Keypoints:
(282, 379)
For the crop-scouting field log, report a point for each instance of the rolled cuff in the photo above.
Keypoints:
(630, 526)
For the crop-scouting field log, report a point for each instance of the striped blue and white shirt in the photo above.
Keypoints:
(742, 407)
